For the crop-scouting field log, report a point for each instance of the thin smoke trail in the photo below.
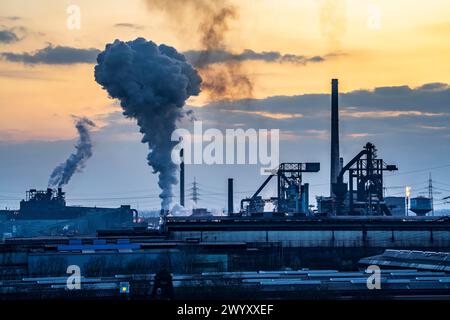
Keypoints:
(62, 174)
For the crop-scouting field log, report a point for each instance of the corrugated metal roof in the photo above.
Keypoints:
(424, 260)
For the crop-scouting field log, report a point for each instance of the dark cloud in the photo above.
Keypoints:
(201, 58)
(435, 86)
(129, 26)
(392, 91)
(8, 36)
(68, 55)
(13, 34)
(365, 113)
(11, 18)
(58, 55)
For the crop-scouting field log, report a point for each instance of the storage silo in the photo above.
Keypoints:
(421, 206)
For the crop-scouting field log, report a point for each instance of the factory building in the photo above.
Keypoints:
(396, 205)
(45, 213)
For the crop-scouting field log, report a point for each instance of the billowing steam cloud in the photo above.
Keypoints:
(152, 83)
(222, 56)
(77, 161)
(224, 81)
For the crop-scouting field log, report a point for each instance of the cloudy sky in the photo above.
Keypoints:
(391, 58)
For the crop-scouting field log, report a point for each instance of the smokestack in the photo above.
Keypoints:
(230, 196)
(182, 178)
(335, 160)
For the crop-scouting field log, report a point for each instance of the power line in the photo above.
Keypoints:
(442, 189)
(418, 170)
(445, 184)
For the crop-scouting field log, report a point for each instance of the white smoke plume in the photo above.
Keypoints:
(76, 162)
(152, 84)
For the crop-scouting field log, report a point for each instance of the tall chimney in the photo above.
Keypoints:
(182, 177)
(335, 162)
(230, 196)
